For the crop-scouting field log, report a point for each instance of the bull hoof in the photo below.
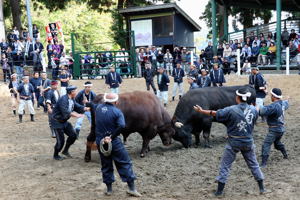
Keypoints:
(87, 158)
(142, 155)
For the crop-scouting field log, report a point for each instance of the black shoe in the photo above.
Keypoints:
(220, 189)
(261, 186)
(285, 156)
(108, 189)
(58, 157)
(15, 113)
(67, 154)
(32, 118)
(20, 118)
(173, 98)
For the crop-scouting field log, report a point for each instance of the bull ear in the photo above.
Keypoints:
(178, 124)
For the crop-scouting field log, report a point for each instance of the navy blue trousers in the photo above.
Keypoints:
(122, 162)
(272, 137)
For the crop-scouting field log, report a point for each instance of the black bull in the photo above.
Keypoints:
(144, 114)
(186, 121)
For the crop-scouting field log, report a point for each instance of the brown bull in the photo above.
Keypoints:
(144, 114)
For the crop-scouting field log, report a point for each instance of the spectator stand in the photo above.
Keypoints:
(94, 64)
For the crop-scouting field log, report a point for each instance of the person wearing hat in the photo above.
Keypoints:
(192, 81)
(113, 80)
(65, 108)
(275, 120)
(13, 89)
(26, 96)
(257, 80)
(83, 97)
(109, 124)
(239, 120)
(204, 80)
(178, 74)
(163, 82)
(51, 98)
(193, 72)
(217, 76)
(149, 74)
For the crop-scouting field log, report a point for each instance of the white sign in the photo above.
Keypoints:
(142, 32)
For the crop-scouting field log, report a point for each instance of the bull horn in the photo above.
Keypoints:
(178, 124)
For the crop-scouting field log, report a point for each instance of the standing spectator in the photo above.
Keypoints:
(13, 88)
(262, 56)
(252, 37)
(35, 32)
(160, 59)
(204, 80)
(154, 53)
(28, 51)
(193, 85)
(168, 58)
(220, 50)
(138, 61)
(184, 60)
(56, 47)
(176, 56)
(163, 82)
(113, 80)
(270, 35)
(292, 35)
(271, 55)
(61, 47)
(64, 60)
(227, 52)
(4, 46)
(285, 37)
(16, 33)
(49, 53)
(36, 82)
(26, 92)
(24, 34)
(37, 55)
(249, 42)
(254, 52)
(217, 76)
(5, 68)
(64, 82)
(178, 74)
(45, 87)
(209, 53)
(257, 80)
(149, 74)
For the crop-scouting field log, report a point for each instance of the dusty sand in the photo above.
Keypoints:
(29, 172)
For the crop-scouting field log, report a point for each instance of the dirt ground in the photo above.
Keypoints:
(29, 172)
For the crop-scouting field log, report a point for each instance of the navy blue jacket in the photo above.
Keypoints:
(62, 111)
(50, 97)
(149, 74)
(194, 86)
(239, 120)
(23, 94)
(275, 115)
(113, 79)
(164, 84)
(178, 74)
(204, 81)
(108, 119)
(217, 77)
(258, 81)
(90, 97)
(36, 83)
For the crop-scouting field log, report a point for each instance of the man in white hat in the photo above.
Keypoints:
(109, 123)
(275, 119)
(84, 96)
(26, 96)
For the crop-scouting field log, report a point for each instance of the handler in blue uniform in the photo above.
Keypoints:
(83, 97)
(275, 119)
(204, 80)
(36, 82)
(65, 108)
(217, 76)
(109, 124)
(239, 120)
(52, 97)
(191, 80)
(113, 80)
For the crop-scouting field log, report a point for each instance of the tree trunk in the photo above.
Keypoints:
(2, 25)
(222, 22)
(16, 13)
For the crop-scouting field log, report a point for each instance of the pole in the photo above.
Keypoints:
(278, 34)
(2, 26)
(238, 51)
(192, 57)
(29, 18)
(287, 61)
(214, 25)
(225, 18)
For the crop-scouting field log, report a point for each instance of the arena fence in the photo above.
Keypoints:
(99, 62)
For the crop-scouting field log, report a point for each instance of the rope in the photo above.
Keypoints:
(102, 149)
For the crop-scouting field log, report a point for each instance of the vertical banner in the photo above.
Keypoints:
(142, 32)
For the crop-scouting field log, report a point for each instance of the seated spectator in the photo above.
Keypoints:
(248, 42)
(227, 53)
(220, 50)
(204, 80)
(192, 81)
(16, 33)
(235, 45)
(270, 35)
(296, 41)
(254, 52)
(226, 66)
(271, 53)
(262, 56)
(263, 40)
(246, 67)
(35, 32)
(269, 41)
(246, 53)
(252, 37)
(298, 56)
(256, 40)
(231, 44)
(193, 71)
(64, 60)
(293, 50)
(292, 35)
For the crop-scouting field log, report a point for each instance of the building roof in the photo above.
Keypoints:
(157, 9)
(286, 5)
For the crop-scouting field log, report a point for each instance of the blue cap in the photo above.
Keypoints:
(71, 88)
